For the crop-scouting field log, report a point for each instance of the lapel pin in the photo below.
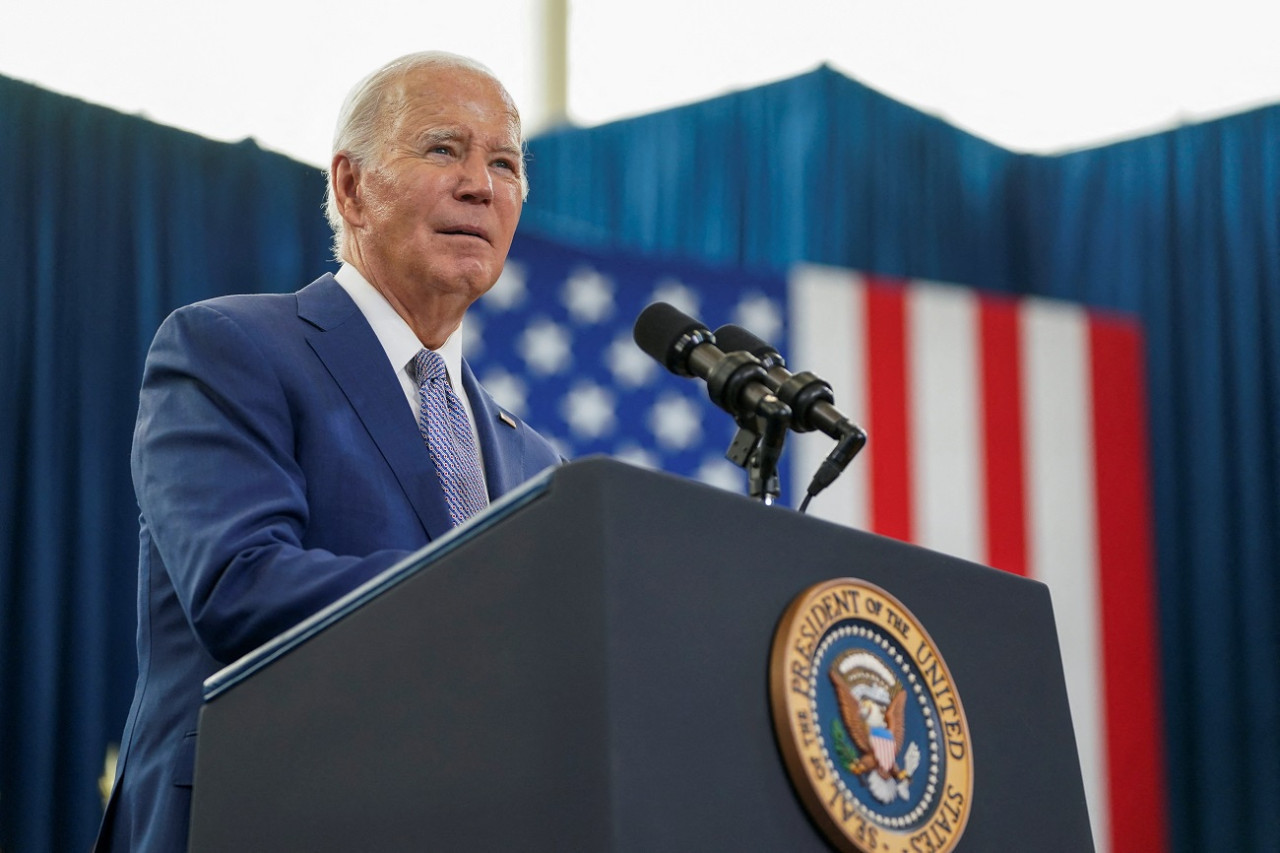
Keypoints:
(506, 419)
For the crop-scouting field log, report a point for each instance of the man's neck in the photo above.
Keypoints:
(433, 316)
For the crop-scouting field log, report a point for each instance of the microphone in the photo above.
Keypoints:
(736, 381)
(809, 397)
(810, 400)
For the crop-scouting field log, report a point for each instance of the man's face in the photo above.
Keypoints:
(441, 204)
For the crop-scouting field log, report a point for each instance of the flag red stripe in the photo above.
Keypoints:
(1125, 564)
(889, 421)
(1001, 378)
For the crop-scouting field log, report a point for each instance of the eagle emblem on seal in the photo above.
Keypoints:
(873, 711)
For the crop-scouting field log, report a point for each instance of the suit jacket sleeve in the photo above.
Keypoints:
(222, 494)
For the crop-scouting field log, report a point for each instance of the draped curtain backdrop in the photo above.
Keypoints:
(107, 222)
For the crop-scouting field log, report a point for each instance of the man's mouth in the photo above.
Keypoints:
(465, 231)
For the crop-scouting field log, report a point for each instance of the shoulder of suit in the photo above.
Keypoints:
(246, 303)
(262, 316)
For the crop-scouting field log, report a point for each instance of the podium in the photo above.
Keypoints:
(585, 667)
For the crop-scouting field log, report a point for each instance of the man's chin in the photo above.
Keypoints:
(473, 279)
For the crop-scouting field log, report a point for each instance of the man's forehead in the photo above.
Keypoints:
(439, 99)
(455, 83)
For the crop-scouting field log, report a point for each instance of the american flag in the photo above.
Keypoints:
(552, 342)
(1010, 432)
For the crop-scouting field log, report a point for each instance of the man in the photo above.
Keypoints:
(291, 447)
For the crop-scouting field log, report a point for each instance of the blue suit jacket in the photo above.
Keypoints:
(277, 466)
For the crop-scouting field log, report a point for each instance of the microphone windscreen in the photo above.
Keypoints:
(659, 329)
(732, 338)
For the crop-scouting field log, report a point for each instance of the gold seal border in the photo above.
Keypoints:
(812, 773)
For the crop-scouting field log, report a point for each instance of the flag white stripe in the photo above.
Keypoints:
(827, 322)
(943, 364)
(1061, 523)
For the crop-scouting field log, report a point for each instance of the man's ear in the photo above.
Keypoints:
(344, 177)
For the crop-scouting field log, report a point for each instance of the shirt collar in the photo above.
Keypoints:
(395, 335)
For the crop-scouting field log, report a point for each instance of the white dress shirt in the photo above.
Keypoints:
(401, 344)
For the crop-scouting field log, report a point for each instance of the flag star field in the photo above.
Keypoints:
(552, 343)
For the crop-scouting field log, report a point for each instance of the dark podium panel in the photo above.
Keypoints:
(585, 668)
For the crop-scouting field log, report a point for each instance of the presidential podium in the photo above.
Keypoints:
(586, 667)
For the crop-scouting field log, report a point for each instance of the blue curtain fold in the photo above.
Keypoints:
(107, 222)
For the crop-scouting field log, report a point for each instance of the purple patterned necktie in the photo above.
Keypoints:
(447, 432)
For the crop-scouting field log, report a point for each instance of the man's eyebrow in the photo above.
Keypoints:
(439, 134)
(509, 150)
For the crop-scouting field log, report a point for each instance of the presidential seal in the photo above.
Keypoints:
(869, 722)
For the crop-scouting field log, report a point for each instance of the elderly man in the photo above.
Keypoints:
(291, 447)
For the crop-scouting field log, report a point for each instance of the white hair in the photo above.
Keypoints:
(363, 120)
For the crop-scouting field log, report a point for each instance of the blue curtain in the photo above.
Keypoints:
(1181, 228)
(816, 167)
(107, 222)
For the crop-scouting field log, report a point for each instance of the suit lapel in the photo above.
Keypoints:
(499, 437)
(350, 351)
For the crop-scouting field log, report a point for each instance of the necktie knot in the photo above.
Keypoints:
(429, 366)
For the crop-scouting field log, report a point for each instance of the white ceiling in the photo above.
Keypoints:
(1027, 75)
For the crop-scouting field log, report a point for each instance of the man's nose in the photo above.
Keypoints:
(475, 182)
